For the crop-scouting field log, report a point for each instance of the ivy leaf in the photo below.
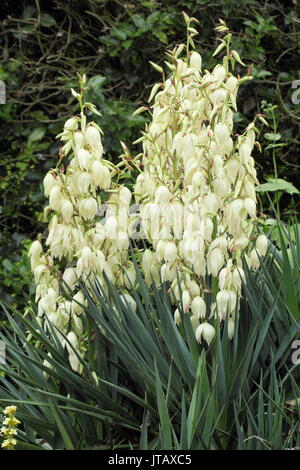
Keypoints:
(138, 21)
(96, 81)
(36, 135)
(117, 33)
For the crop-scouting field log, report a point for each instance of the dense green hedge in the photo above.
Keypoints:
(43, 45)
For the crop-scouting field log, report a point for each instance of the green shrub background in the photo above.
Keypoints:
(43, 44)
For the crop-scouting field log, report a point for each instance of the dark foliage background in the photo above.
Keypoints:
(43, 44)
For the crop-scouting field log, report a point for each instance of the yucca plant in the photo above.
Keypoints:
(195, 190)
(148, 384)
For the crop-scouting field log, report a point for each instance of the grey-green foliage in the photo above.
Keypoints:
(149, 385)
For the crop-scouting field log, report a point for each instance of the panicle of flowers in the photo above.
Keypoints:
(88, 229)
(9, 428)
(197, 186)
(195, 191)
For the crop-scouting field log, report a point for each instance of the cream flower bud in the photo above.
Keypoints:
(97, 171)
(42, 307)
(241, 243)
(39, 271)
(223, 299)
(66, 209)
(84, 158)
(111, 228)
(208, 229)
(219, 73)
(250, 138)
(253, 260)
(161, 115)
(71, 124)
(231, 83)
(211, 203)
(100, 261)
(180, 66)
(77, 302)
(198, 179)
(194, 289)
(232, 167)
(101, 175)
(244, 153)
(78, 140)
(249, 189)
(225, 278)
(105, 181)
(218, 165)
(221, 133)
(88, 208)
(221, 187)
(250, 207)
(150, 187)
(84, 181)
(165, 273)
(74, 362)
(236, 207)
(215, 260)
(124, 196)
(70, 278)
(177, 317)
(35, 249)
(72, 338)
(87, 257)
(261, 245)
(228, 146)
(170, 253)
(186, 300)
(198, 307)
(52, 295)
(238, 276)
(49, 182)
(205, 331)
(218, 96)
(92, 139)
(147, 260)
(122, 241)
(55, 198)
(178, 143)
(160, 249)
(162, 195)
(219, 242)
(195, 60)
(236, 216)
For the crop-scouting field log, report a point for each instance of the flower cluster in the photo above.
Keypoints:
(9, 428)
(197, 187)
(196, 198)
(81, 244)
